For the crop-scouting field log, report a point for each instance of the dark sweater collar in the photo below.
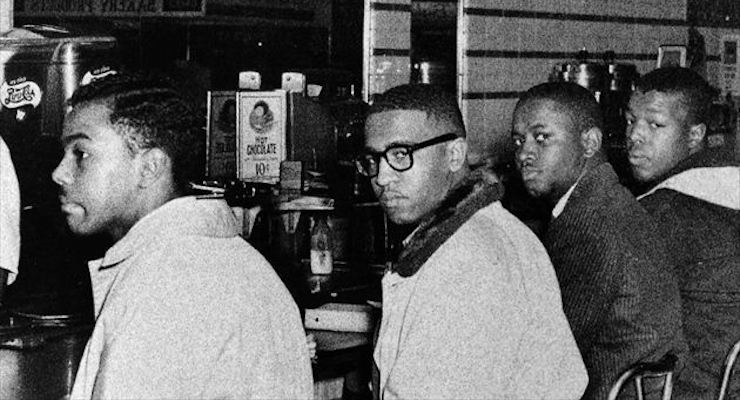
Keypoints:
(598, 176)
(595, 179)
(476, 191)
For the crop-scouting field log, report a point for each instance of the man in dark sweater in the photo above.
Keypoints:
(694, 195)
(618, 290)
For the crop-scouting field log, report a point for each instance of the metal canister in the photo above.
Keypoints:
(592, 76)
(611, 83)
(40, 68)
(436, 72)
(622, 77)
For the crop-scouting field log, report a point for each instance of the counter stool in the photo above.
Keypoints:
(727, 368)
(638, 371)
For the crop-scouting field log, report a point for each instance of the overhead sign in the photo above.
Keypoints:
(313, 12)
(110, 8)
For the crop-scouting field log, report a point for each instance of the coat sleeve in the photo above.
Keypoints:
(10, 239)
(157, 345)
(179, 336)
(586, 271)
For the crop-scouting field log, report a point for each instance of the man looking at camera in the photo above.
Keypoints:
(471, 309)
(693, 193)
(619, 292)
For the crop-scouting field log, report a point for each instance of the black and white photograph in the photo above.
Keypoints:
(370, 199)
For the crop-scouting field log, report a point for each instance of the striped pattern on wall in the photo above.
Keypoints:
(508, 46)
(387, 61)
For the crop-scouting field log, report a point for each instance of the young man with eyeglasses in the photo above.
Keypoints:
(471, 309)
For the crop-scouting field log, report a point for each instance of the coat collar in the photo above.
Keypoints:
(716, 185)
(709, 175)
(479, 189)
(706, 158)
(184, 216)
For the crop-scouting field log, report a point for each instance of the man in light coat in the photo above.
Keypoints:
(184, 307)
(10, 220)
(471, 309)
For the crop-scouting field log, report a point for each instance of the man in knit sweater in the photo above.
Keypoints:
(619, 293)
(471, 309)
(694, 196)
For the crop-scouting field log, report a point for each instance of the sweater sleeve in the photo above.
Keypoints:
(586, 273)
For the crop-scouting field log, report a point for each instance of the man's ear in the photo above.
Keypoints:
(696, 136)
(457, 153)
(591, 141)
(155, 164)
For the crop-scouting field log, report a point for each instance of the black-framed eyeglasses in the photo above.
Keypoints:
(398, 156)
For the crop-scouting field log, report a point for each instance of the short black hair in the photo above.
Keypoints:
(149, 112)
(693, 91)
(577, 102)
(434, 100)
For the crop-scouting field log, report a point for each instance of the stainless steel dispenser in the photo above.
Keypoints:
(40, 68)
(612, 84)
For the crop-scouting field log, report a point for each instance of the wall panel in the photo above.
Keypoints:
(508, 46)
(712, 38)
(387, 45)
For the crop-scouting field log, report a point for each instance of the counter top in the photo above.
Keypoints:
(41, 362)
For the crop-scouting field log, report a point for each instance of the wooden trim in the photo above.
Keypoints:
(553, 54)
(492, 95)
(390, 7)
(378, 52)
(497, 12)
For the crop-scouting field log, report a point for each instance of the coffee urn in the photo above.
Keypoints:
(40, 68)
(612, 84)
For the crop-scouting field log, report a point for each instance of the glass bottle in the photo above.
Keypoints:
(322, 260)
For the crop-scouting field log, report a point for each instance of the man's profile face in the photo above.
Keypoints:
(657, 133)
(549, 154)
(97, 175)
(409, 195)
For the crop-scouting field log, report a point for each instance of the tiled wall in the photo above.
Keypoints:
(387, 45)
(6, 15)
(508, 46)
